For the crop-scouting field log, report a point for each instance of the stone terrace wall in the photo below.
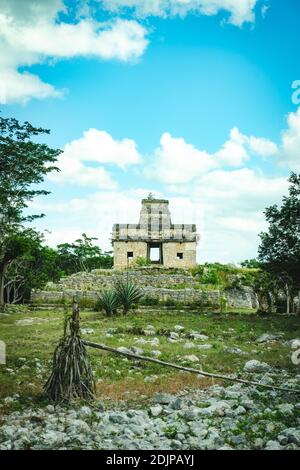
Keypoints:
(156, 284)
(99, 279)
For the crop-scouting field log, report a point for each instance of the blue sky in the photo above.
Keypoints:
(193, 102)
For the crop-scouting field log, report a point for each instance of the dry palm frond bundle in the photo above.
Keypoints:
(71, 375)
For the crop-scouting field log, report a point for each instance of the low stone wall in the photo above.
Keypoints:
(100, 278)
(161, 285)
(236, 298)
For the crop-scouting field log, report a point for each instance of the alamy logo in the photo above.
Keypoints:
(296, 94)
(2, 352)
(296, 357)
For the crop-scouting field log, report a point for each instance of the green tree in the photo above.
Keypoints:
(279, 251)
(23, 165)
(251, 263)
(82, 255)
(32, 270)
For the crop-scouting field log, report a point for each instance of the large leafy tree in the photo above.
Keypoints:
(279, 251)
(23, 165)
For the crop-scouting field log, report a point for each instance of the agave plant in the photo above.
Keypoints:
(128, 294)
(108, 301)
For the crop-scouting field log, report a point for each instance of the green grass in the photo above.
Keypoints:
(118, 377)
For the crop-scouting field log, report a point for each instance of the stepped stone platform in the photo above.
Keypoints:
(161, 285)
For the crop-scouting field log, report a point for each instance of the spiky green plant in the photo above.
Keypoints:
(108, 301)
(128, 294)
(71, 375)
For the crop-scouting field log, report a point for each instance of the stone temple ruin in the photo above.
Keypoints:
(155, 238)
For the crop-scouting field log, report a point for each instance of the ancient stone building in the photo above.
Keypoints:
(155, 238)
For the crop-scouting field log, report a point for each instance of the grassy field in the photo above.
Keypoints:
(30, 348)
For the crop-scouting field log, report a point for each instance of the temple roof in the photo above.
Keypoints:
(154, 225)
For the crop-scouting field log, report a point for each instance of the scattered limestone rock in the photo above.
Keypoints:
(156, 410)
(256, 366)
(174, 335)
(195, 335)
(233, 350)
(152, 342)
(273, 445)
(26, 321)
(138, 351)
(178, 328)
(295, 343)
(124, 350)
(190, 358)
(189, 346)
(204, 346)
(266, 337)
(149, 330)
(293, 435)
(156, 352)
(87, 331)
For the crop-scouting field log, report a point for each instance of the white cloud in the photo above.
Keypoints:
(99, 146)
(177, 162)
(38, 35)
(240, 11)
(232, 153)
(80, 161)
(74, 172)
(290, 148)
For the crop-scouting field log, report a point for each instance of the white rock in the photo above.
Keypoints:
(190, 358)
(189, 346)
(295, 343)
(179, 328)
(152, 342)
(266, 337)
(150, 378)
(173, 335)
(156, 352)
(156, 410)
(204, 346)
(87, 331)
(25, 321)
(293, 435)
(84, 411)
(138, 351)
(149, 330)
(273, 445)
(124, 350)
(195, 335)
(256, 366)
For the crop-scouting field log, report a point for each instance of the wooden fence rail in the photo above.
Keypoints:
(187, 369)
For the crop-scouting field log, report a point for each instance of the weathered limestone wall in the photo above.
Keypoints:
(121, 249)
(179, 287)
(170, 251)
(241, 298)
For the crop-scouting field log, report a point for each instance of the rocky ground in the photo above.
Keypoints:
(146, 405)
(233, 417)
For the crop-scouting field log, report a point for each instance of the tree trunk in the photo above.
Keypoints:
(2, 273)
(298, 304)
(288, 298)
